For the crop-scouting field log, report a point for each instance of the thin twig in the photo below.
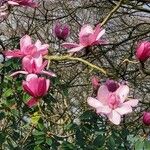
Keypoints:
(112, 12)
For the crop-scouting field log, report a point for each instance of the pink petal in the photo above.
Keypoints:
(27, 89)
(114, 117)
(94, 102)
(41, 91)
(29, 50)
(103, 94)
(85, 30)
(49, 73)
(47, 84)
(124, 109)
(24, 42)
(76, 49)
(32, 102)
(12, 3)
(38, 59)
(69, 45)
(41, 47)
(30, 76)
(132, 102)
(13, 53)
(104, 109)
(27, 64)
(101, 33)
(18, 72)
(122, 92)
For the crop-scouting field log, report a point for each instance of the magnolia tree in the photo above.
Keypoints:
(74, 75)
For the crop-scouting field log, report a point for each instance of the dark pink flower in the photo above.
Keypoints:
(36, 87)
(29, 3)
(143, 51)
(110, 101)
(34, 65)
(27, 48)
(87, 37)
(146, 118)
(61, 31)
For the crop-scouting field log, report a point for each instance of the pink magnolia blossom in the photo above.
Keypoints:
(95, 82)
(111, 101)
(87, 37)
(146, 118)
(27, 48)
(61, 31)
(143, 51)
(36, 87)
(29, 3)
(34, 65)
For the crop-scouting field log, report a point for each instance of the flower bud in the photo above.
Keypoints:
(95, 82)
(143, 51)
(146, 118)
(61, 31)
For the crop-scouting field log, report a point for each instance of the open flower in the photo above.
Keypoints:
(29, 3)
(61, 31)
(34, 65)
(87, 37)
(27, 48)
(111, 101)
(36, 87)
(143, 51)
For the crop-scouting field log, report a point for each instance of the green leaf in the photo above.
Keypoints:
(49, 141)
(37, 148)
(2, 115)
(146, 145)
(2, 138)
(99, 141)
(139, 145)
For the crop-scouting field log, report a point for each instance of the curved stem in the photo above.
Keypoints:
(68, 57)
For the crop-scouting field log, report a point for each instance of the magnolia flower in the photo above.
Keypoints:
(87, 37)
(111, 102)
(146, 118)
(143, 51)
(61, 31)
(27, 48)
(29, 3)
(34, 65)
(36, 87)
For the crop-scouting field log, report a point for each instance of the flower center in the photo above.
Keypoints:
(112, 85)
(113, 101)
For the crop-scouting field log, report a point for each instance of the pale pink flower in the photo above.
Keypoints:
(111, 102)
(87, 37)
(61, 31)
(29, 3)
(143, 51)
(146, 118)
(27, 48)
(34, 65)
(36, 87)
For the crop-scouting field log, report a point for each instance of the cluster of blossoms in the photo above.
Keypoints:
(111, 97)
(32, 66)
